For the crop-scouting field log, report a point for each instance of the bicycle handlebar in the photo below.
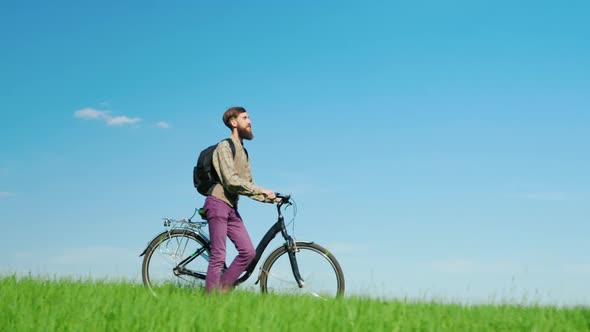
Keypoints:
(284, 198)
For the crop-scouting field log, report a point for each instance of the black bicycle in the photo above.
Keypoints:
(180, 256)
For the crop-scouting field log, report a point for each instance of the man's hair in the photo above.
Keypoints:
(231, 113)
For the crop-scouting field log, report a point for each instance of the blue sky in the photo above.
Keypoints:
(438, 148)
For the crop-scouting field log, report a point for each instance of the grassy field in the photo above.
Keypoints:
(28, 304)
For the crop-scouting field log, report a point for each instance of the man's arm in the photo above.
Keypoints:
(223, 161)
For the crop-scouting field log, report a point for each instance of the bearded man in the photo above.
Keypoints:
(221, 204)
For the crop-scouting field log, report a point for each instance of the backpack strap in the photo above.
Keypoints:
(233, 148)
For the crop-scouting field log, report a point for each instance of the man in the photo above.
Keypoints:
(221, 204)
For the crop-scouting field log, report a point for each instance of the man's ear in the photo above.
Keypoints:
(233, 122)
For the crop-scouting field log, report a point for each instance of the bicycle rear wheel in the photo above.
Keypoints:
(178, 258)
(321, 272)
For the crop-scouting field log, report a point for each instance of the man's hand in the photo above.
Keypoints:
(269, 194)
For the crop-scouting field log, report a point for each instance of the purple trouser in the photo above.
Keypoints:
(225, 221)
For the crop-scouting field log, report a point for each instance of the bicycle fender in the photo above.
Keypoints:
(152, 243)
(157, 238)
(285, 245)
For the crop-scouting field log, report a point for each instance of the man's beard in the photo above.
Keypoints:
(245, 133)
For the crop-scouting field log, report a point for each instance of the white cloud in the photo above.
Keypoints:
(94, 114)
(163, 124)
(5, 194)
(91, 113)
(122, 120)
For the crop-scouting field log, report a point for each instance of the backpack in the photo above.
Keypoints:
(204, 174)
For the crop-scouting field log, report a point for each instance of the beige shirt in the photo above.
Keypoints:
(234, 173)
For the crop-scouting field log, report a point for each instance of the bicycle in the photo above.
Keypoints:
(296, 267)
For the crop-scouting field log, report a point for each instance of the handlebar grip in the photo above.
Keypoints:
(283, 197)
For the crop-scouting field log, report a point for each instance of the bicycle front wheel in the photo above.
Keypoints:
(178, 258)
(321, 272)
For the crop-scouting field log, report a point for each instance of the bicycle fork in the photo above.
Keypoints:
(291, 250)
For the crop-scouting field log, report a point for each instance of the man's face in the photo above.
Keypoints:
(244, 126)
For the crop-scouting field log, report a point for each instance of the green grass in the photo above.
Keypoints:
(29, 304)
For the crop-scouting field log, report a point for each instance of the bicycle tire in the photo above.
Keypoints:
(177, 248)
(320, 278)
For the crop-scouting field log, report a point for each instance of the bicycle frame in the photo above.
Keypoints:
(277, 227)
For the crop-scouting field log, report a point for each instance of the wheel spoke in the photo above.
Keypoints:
(161, 261)
(321, 273)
